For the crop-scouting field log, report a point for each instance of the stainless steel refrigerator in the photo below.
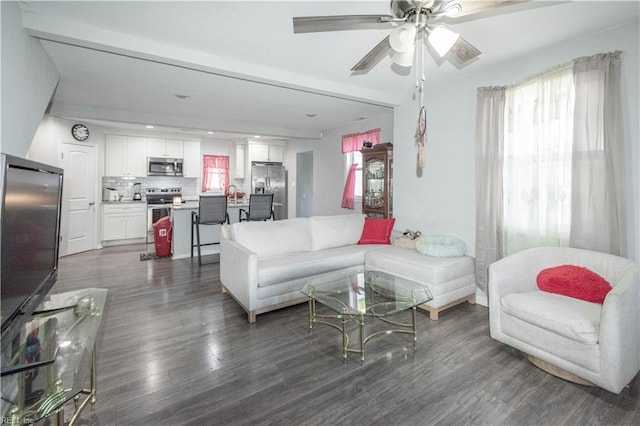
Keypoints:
(267, 178)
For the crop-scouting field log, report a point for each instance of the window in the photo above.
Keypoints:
(351, 146)
(215, 173)
(355, 157)
(537, 162)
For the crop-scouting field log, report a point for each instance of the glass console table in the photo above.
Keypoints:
(53, 360)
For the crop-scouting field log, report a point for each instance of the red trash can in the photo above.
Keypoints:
(162, 234)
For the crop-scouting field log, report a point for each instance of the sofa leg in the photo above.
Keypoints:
(224, 289)
(251, 317)
(433, 312)
(472, 299)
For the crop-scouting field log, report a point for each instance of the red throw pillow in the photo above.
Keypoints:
(574, 281)
(377, 231)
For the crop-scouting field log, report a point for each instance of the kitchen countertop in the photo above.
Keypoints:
(186, 205)
(125, 202)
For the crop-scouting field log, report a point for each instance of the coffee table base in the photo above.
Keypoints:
(344, 318)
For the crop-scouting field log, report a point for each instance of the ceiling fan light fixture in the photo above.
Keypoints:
(402, 38)
(442, 39)
(404, 59)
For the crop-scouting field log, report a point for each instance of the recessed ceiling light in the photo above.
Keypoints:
(311, 114)
(209, 132)
(181, 96)
(149, 126)
(256, 136)
(359, 118)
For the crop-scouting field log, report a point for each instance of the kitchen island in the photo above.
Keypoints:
(181, 219)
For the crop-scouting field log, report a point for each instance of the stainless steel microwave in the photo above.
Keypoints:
(159, 166)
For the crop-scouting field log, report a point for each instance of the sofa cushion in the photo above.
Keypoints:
(568, 317)
(273, 238)
(307, 264)
(335, 231)
(414, 266)
(574, 281)
(377, 231)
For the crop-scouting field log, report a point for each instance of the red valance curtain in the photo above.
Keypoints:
(215, 172)
(354, 141)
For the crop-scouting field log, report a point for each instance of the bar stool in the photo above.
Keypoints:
(260, 208)
(212, 210)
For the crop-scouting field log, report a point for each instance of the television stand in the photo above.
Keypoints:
(53, 360)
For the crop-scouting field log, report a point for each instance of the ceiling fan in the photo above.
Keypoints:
(412, 20)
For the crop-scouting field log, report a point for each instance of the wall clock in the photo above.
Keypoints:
(80, 132)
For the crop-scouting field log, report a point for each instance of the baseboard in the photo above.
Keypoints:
(481, 298)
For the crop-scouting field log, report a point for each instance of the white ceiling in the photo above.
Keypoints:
(244, 70)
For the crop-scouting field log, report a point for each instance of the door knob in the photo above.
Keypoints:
(92, 203)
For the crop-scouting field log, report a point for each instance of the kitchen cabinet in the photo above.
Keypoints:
(239, 160)
(270, 152)
(169, 148)
(377, 181)
(191, 166)
(125, 156)
(124, 221)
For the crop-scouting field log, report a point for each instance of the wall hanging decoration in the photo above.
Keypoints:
(421, 136)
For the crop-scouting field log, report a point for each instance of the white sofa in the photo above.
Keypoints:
(264, 265)
(577, 340)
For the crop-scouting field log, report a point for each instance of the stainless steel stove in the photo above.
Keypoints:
(162, 195)
(159, 201)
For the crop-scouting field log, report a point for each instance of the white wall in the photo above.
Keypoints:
(443, 199)
(29, 79)
(329, 173)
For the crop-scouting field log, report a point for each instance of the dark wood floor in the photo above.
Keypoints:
(174, 350)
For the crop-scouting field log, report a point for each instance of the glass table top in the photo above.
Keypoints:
(368, 293)
(61, 336)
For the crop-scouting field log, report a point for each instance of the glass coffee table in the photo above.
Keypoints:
(368, 294)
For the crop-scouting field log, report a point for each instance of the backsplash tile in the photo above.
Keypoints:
(125, 186)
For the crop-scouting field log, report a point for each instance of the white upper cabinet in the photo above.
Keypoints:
(276, 153)
(175, 148)
(191, 167)
(170, 148)
(239, 158)
(259, 152)
(272, 152)
(125, 156)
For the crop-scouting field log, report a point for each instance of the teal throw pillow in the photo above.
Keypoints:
(441, 246)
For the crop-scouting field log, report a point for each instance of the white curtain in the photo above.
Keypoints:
(489, 141)
(537, 162)
(598, 218)
(550, 163)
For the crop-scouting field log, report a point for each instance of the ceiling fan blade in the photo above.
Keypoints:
(373, 57)
(463, 51)
(474, 6)
(311, 24)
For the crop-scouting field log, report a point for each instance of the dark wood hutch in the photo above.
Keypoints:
(377, 181)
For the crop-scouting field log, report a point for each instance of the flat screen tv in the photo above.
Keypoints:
(30, 232)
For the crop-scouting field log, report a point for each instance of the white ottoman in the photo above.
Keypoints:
(450, 280)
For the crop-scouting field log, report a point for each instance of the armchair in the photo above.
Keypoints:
(584, 342)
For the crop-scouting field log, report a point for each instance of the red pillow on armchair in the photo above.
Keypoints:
(377, 231)
(574, 281)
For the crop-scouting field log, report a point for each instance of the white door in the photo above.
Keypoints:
(78, 198)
